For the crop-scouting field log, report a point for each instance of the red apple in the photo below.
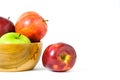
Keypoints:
(32, 25)
(59, 57)
(6, 26)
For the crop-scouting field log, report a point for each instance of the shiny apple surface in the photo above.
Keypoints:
(59, 57)
(6, 26)
(32, 25)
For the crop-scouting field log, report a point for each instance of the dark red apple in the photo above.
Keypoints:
(6, 26)
(32, 25)
(59, 57)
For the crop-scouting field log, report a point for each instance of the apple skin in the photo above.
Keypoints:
(59, 57)
(14, 38)
(32, 25)
(6, 26)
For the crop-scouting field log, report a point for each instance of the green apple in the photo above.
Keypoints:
(14, 38)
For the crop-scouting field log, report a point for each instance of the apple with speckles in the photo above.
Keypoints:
(32, 25)
(6, 26)
(59, 57)
(14, 38)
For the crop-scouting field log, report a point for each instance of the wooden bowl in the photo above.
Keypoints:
(19, 57)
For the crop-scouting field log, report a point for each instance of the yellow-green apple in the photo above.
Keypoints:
(6, 26)
(59, 57)
(14, 38)
(32, 25)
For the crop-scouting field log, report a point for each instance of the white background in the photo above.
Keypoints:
(92, 27)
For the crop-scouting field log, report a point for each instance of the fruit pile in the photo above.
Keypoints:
(31, 28)
(29, 25)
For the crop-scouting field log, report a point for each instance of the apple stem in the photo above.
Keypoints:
(45, 20)
(8, 18)
(19, 36)
(63, 57)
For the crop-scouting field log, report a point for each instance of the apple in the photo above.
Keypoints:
(14, 38)
(59, 57)
(6, 26)
(32, 25)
